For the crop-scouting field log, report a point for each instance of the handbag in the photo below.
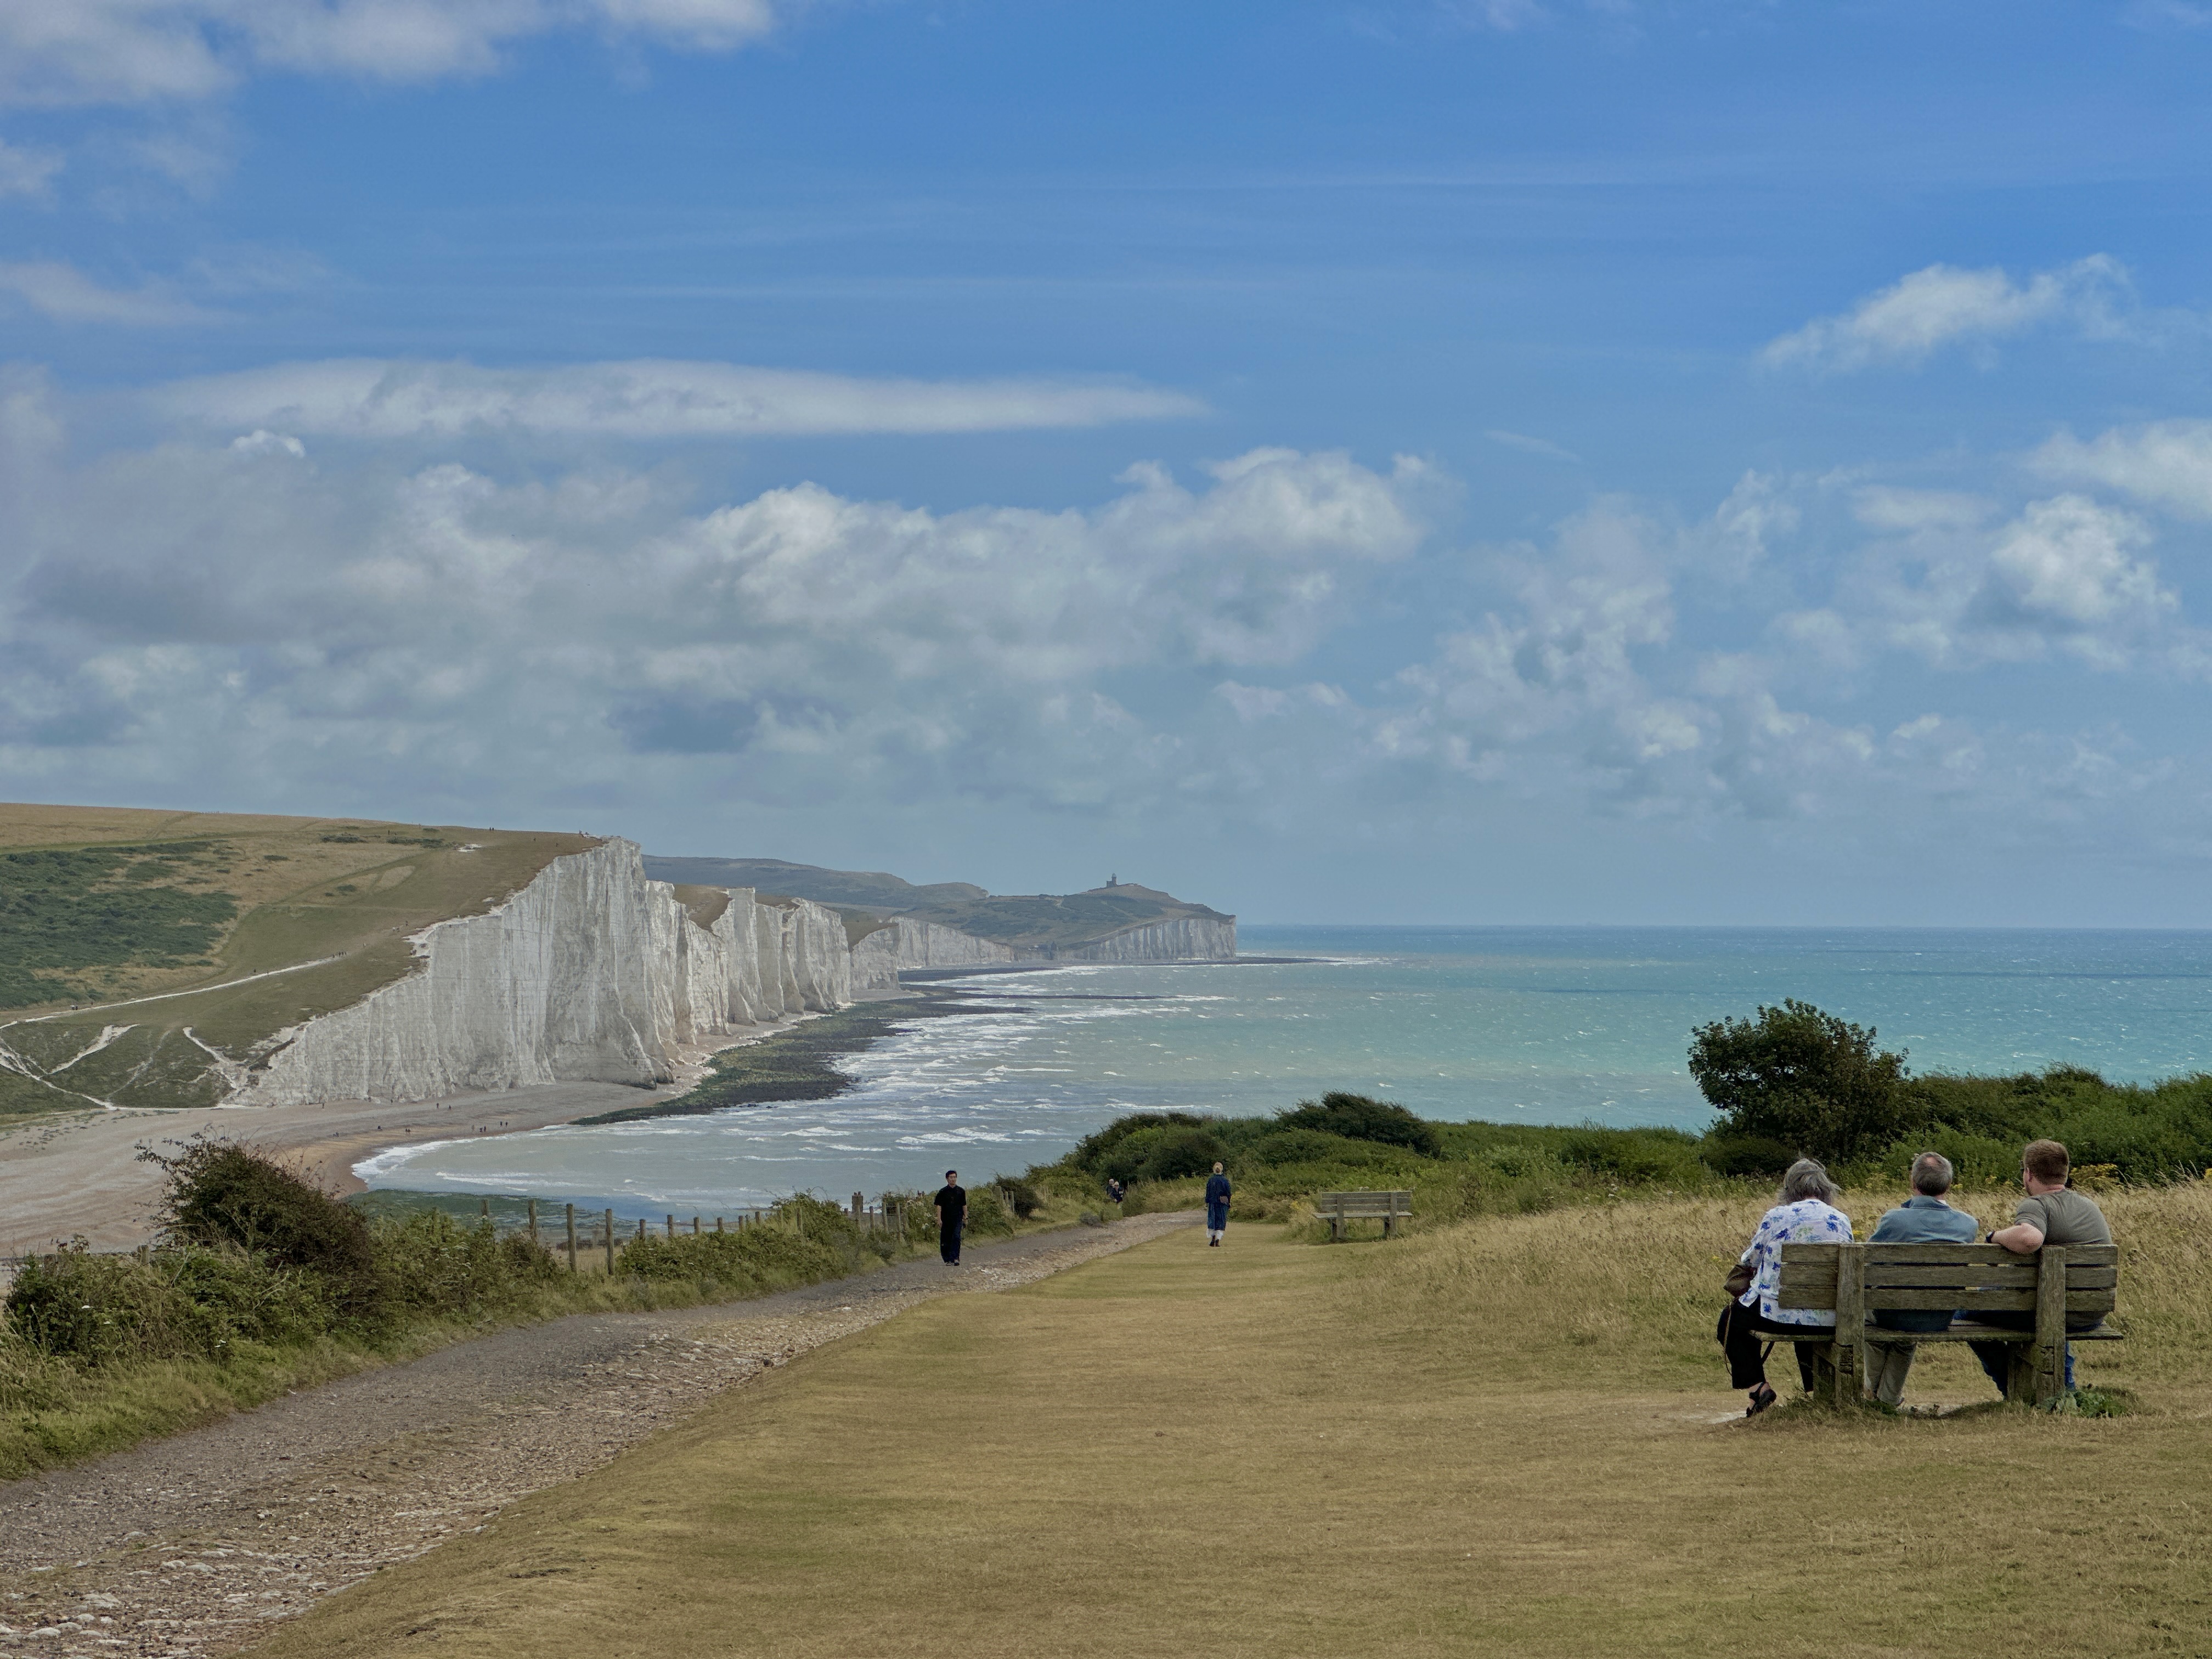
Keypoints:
(1740, 1280)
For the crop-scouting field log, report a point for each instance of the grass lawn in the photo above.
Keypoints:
(1495, 1438)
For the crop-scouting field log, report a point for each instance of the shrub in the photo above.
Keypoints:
(1355, 1117)
(100, 1309)
(1296, 1146)
(1632, 1155)
(1806, 1079)
(220, 1193)
(1018, 1195)
(431, 1263)
(1092, 1151)
(1164, 1151)
(1745, 1155)
(237, 1296)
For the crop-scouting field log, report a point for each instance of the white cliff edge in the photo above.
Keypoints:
(903, 943)
(590, 973)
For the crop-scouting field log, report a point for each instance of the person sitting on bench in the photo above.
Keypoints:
(2051, 1213)
(1806, 1215)
(1922, 1219)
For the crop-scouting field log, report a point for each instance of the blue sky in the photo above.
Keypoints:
(1523, 461)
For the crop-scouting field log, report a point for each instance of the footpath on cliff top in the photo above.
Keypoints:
(197, 1544)
(1508, 1436)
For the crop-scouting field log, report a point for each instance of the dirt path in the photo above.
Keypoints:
(190, 1546)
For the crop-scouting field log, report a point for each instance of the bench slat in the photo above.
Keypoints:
(2077, 1302)
(1991, 1276)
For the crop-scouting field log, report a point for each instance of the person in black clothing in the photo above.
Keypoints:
(952, 1217)
(1113, 1189)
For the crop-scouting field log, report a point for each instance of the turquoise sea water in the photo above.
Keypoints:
(1542, 1025)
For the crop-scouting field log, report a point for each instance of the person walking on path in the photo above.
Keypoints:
(1217, 1206)
(952, 1217)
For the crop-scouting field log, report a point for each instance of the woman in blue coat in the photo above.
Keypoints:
(1217, 1206)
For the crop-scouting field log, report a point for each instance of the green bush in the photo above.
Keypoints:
(101, 1309)
(430, 1263)
(1295, 1146)
(1806, 1079)
(1745, 1155)
(219, 1192)
(1018, 1195)
(1632, 1155)
(1165, 1151)
(1355, 1117)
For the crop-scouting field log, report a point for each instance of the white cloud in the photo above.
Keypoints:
(226, 616)
(64, 52)
(2167, 463)
(374, 398)
(26, 172)
(66, 294)
(1942, 304)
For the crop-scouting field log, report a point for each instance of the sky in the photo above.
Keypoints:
(1520, 461)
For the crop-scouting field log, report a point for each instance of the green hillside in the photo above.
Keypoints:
(125, 934)
(1062, 922)
(1035, 922)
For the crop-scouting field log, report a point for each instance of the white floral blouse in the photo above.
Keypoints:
(1807, 1221)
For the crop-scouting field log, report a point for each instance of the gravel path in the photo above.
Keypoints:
(190, 1546)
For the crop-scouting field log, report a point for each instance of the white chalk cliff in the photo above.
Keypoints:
(904, 942)
(589, 973)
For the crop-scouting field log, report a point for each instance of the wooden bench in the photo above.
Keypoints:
(1855, 1280)
(1389, 1208)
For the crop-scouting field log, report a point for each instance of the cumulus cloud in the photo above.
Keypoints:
(379, 399)
(252, 612)
(2065, 577)
(1942, 304)
(64, 294)
(2166, 463)
(66, 52)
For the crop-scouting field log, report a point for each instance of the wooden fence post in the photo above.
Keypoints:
(611, 1240)
(718, 1224)
(483, 1208)
(671, 1227)
(860, 1206)
(572, 1238)
(695, 1226)
(533, 1223)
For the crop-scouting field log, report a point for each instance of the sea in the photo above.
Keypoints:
(1512, 1024)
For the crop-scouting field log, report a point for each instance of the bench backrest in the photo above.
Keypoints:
(1364, 1203)
(1972, 1278)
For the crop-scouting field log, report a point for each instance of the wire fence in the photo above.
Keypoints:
(584, 1239)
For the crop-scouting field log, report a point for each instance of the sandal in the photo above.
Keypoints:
(1761, 1398)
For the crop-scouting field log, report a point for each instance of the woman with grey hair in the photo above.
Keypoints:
(1806, 1214)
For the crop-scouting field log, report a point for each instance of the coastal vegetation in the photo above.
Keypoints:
(262, 1284)
(1513, 1436)
(1789, 1082)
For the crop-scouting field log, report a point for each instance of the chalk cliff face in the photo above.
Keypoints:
(906, 943)
(590, 973)
(1187, 939)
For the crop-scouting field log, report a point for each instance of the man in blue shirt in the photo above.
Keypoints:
(1922, 1219)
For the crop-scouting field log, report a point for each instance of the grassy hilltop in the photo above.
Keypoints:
(1040, 922)
(102, 907)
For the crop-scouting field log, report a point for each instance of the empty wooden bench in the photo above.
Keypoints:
(1856, 1280)
(1389, 1208)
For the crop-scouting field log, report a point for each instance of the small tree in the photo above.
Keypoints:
(1804, 1078)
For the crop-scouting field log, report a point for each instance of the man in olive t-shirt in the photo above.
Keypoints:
(2050, 1213)
(952, 1217)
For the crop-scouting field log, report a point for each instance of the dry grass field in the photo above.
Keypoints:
(1512, 1436)
(258, 894)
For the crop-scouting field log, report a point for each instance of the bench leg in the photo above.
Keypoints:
(2020, 1373)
